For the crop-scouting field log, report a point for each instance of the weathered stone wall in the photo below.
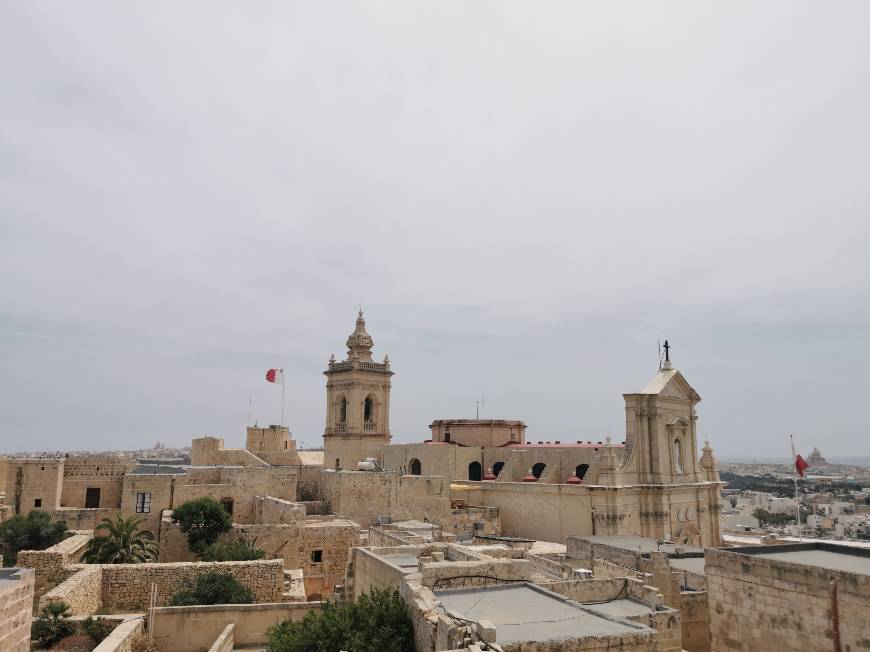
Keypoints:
(464, 574)
(545, 512)
(372, 572)
(50, 564)
(82, 591)
(160, 486)
(99, 472)
(124, 636)
(127, 586)
(202, 624)
(32, 480)
(208, 451)
(364, 495)
(81, 518)
(695, 620)
(308, 486)
(758, 603)
(600, 590)
(268, 509)
(16, 609)
(461, 521)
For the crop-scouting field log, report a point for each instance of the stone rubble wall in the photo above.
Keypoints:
(758, 603)
(128, 586)
(50, 564)
(461, 521)
(82, 591)
(16, 609)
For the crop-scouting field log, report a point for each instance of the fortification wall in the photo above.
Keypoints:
(268, 509)
(82, 591)
(364, 495)
(760, 603)
(16, 609)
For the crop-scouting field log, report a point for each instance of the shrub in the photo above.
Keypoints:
(203, 520)
(377, 621)
(36, 531)
(52, 624)
(75, 643)
(122, 542)
(97, 629)
(235, 550)
(213, 588)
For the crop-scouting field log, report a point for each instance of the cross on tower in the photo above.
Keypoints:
(667, 351)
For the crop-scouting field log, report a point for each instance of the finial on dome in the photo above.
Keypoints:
(386, 359)
(360, 343)
(332, 359)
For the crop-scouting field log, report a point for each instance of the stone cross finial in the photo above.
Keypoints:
(667, 351)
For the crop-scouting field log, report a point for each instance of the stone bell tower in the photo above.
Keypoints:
(357, 403)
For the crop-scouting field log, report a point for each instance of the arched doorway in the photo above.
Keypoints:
(415, 467)
(497, 467)
(580, 471)
(228, 505)
(538, 469)
(475, 471)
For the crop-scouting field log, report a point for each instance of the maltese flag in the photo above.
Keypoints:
(275, 376)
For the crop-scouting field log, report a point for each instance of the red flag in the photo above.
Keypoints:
(800, 465)
(275, 376)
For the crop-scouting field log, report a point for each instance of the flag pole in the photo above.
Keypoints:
(797, 498)
(282, 401)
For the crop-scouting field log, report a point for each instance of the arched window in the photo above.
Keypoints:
(416, 467)
(228, 505)
(678, 456)
(538, 470)
(368, 410)
(497, 467)
(475, 471)
(342, 409)
(580, 471)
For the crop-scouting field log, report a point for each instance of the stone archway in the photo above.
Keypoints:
(690, 535)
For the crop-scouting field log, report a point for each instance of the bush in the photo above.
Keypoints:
(203, 520)
(213, 588)
(377, 621)
(97, 629)
(36, 531)
(52, 624)
(235, 550)
(76, 643)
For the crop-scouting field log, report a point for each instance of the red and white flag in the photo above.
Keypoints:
(275, 376)
(800, 465)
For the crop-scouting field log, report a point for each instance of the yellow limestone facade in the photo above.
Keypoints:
(357, 403)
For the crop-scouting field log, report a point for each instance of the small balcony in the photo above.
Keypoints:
(368, 425)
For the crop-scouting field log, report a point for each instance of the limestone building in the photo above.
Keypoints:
(357, 403)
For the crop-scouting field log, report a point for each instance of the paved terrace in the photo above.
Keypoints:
(821, 555)
(524, 612)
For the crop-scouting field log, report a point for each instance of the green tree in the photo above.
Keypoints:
(234, 550)
(376, 621)
(36, 531)
(52, 624)
(97, 628)
(203, 520)
(122, 543)
(213, 588)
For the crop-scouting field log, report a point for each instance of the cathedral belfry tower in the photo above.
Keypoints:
(357, 403)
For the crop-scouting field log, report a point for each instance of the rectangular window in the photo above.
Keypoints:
(37, 502)
(316, 556)
(143, 502)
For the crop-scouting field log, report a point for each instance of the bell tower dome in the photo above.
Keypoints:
(357, 403)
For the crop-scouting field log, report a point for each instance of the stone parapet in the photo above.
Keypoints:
(16, 608)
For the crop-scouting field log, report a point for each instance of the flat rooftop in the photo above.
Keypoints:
(644, 545)
(620, 608)
(407, 563)
(524, 612)
(691, 564)
(822, 555)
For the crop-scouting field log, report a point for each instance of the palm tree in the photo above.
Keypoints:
(123, 543)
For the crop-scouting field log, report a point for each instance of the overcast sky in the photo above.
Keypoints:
(525, 197)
